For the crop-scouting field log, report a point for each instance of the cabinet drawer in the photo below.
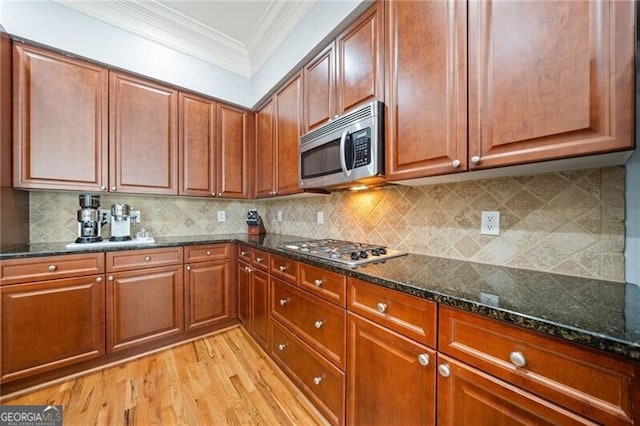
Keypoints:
(206, 252)
(244, 253)
(320, 324)
(284, 268)
(135, 259)
(410, 316)
(260, 259)
(321, 381)
(591, 383)
(328, 285)
(15, 271)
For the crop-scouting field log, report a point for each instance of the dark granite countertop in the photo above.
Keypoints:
(596, 313)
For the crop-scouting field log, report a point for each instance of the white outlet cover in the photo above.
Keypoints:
(490, 223)
(221, 216)
(279, 216)
(320, 217)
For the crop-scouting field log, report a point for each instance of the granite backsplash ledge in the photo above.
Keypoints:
(569, 223)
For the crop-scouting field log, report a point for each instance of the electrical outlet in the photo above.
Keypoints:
(279, 216)
(489, 299)
(221, 216)
(490, 223)
(320, 216)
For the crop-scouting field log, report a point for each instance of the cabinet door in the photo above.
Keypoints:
(51, 324)
(467, 396)
(206, 293)
(143, 136)
(360, 62)
(265, 152)
(319, 89)
(260, 308)
(60, 121)
(288, 128)
(232, 152)
(197, 146)
(143, 306)
(562, 87)
(244, 294)
(426, 127)
(386, 381)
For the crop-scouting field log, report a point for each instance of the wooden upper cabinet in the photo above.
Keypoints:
(197, 147)
(549, 80)
(360, 61)
(426, 120)
(143, 135)
(319, 89)
(233, 126)
(265, 152)
(60, 121)
(288, 105)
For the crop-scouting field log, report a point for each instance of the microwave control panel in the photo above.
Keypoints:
(361, 148)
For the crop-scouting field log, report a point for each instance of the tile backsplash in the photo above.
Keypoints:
(569, 223)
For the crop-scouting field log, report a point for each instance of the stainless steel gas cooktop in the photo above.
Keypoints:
(346, 252)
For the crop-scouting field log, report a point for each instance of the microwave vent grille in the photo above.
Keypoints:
(345, 120)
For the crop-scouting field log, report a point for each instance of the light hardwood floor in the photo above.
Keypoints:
(221, 379)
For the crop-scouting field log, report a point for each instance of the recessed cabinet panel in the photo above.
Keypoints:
(265, 152)
(207, 293)
(143, 119)
(232, 151)
(60, 121)
(319, 88)
(288, 129)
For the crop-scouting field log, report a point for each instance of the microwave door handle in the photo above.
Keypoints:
(343, 162)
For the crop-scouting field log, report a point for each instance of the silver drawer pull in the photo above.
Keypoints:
(282, 268)
(243, 253)
(423, 359)
(517, 359)
(188, 268)
(259, 259)
(382, 307)
(208, 253)
(475, 159)
(282, 346)
(317, 380)
(52, 268)
(455, 164)
(444, 370)
(147, 258)
(318, 282)
(284, 302)
(110, 277)
(248, 269)
(318, 324)
(99, 279)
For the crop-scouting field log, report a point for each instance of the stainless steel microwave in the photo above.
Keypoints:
(346, 151)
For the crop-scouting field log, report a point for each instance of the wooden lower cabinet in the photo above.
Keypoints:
(51, 324)
(244, 288)
(467, 396)
(143, 306)
(253, 302)
(207, 293)
(387, 382)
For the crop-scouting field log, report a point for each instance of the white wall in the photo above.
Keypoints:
(62, 28)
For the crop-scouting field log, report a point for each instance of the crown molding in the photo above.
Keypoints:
(156, 22)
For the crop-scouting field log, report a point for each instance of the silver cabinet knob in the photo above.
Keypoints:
(282, 268)
(423, 359)
(213, 194)
(444, 370)
(110, 277)
(244, 253)
(318, 324)
(147, 258)
(99, 279)
(382, 307)
(318, 283)
(103, 188)
(517, 359)
(282, 346)
(455, 164)
(188, 268)
(113, 188)
(52, 268)
(219, 194)
(284, 302)
(317, 380)
(475, 159)
(248, 269)
(208, 253)
(259, 259)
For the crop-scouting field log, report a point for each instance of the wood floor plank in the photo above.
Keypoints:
(221, 379)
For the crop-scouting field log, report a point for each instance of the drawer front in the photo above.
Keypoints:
(16, 271)
(260, 259)
(588, 382)
(410, 316)
(321, 381)
(284, 268)
(328, 285)
(320, 324)
(135, 259)
(245, 253)
(206, 252)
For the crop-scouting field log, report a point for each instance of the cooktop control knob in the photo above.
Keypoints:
(355, 255)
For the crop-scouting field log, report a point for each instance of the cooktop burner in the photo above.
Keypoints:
(347, 252)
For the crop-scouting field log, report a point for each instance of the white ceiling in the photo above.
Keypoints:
(238, 36)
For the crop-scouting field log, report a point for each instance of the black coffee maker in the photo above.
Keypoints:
(89, 219)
